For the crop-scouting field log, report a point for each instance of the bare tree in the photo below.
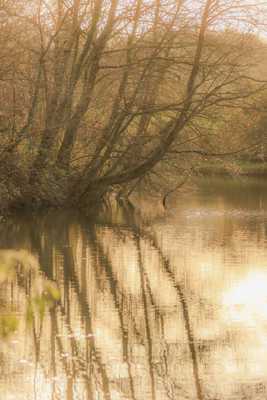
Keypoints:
(103, 93)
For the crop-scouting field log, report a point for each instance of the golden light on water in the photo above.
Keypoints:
(247, 300)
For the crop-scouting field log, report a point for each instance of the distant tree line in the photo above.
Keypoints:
(98, 97)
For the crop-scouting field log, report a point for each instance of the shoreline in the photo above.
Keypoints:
(249, 169)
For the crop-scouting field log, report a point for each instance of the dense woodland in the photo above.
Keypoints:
(103, 97)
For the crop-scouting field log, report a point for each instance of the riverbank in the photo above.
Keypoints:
(243, 168)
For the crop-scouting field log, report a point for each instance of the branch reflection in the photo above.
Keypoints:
(126, 325)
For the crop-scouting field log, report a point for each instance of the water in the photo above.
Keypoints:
(153, 304)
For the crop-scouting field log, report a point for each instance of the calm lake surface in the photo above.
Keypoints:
(153, 304)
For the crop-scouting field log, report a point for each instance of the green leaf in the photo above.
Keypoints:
(8, 325)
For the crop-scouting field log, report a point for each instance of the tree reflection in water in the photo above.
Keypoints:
(126, 324)
(105, 337)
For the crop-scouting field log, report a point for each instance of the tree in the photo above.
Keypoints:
(111, 91)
